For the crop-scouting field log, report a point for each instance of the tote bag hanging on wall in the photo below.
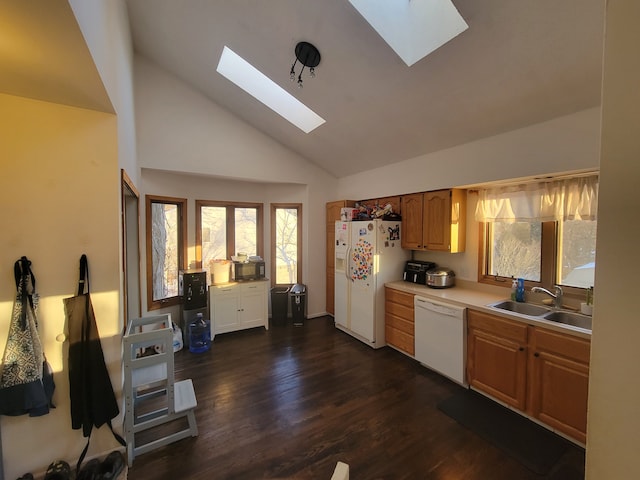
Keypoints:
(26, 382)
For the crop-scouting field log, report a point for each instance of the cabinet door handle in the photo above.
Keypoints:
(536, 354)
(521, 349)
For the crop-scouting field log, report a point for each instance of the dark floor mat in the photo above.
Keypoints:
(532, 445)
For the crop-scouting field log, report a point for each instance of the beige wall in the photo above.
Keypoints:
(614, 391)
(59, 188)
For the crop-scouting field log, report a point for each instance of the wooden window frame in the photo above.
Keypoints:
(274, 207)
(181, 203)
(231, 228)
(548, 264)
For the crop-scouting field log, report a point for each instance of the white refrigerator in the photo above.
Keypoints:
(368, 254)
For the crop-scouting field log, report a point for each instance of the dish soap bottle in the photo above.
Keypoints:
(514, 290)
(520, 290)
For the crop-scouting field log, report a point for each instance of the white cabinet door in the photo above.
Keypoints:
(238, 306)
(226, 314)
(252, 310)
(225, 308)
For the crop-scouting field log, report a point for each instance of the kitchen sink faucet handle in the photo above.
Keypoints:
(559, 294)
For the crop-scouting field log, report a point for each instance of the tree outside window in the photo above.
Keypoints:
(286, 243)
(166, 253)
(224, 229)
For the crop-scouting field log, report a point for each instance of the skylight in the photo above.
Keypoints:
(413, 28)
(261, 87)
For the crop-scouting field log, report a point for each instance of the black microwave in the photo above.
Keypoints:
(241, 271)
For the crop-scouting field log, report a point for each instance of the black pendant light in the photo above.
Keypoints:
(308, 56)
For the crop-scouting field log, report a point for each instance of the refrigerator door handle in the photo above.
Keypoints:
(347, 268)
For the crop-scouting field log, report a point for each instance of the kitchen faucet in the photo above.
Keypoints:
(557, 297)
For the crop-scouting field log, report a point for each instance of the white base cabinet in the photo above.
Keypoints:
(237, 306)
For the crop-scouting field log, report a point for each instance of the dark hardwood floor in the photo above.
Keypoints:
(292, 401)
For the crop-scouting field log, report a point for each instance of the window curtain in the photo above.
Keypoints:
(568, 199)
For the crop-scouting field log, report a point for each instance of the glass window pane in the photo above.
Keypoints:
(286, 245)
(516, 250)
(578, 246)
(164, 252)
(213, 226)
(246, 230)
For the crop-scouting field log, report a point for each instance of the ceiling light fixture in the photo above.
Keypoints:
(308, 56)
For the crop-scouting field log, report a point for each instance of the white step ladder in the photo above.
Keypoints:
(152, 397)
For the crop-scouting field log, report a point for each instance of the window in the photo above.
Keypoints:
(544, 233)
(224, 229)
(515, 250)
(286, 243)
(577, 253)
(543, 253)
(166, 249)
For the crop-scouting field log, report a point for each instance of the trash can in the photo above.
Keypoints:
(279, 305)
(298, 294)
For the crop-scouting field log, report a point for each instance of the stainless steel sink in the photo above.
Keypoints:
(545, 313)
(521, 308)
(569, 318)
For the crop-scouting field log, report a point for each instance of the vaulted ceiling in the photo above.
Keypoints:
(517, 64)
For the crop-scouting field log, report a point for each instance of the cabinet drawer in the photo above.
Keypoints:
(399, 339)
(221, 290)
(499, 326)
(567, 346)
(401, 311)
(401, 298)
(252, 288)
(399, 323)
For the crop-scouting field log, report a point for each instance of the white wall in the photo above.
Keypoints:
(613, 430)
(194, 188)
(181, 131)
(564, 144)
(60, 189)
(105, 27)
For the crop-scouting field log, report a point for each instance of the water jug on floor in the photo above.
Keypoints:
(199, 335)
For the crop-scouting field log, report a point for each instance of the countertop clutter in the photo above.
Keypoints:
(465, 295)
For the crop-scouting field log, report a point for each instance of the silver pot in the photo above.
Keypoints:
(441, 277)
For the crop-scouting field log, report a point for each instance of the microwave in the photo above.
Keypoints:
(241, 271)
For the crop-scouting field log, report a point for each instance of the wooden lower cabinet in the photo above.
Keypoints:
(559, 381)
(539, 371)
(497, 357)
(399, 324)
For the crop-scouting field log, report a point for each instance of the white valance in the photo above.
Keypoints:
(568, 199)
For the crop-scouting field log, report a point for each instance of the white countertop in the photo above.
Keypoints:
(466, 296)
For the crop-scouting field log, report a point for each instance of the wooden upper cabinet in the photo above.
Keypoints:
(434, 220)
(333, 214)
(411, 237)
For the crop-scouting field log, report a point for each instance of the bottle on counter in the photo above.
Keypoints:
(514, 289)
(520, 290)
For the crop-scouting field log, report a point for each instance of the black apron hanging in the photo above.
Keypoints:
(26, 382)
(93, 402)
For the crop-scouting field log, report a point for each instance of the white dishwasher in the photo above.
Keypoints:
(440, 336)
